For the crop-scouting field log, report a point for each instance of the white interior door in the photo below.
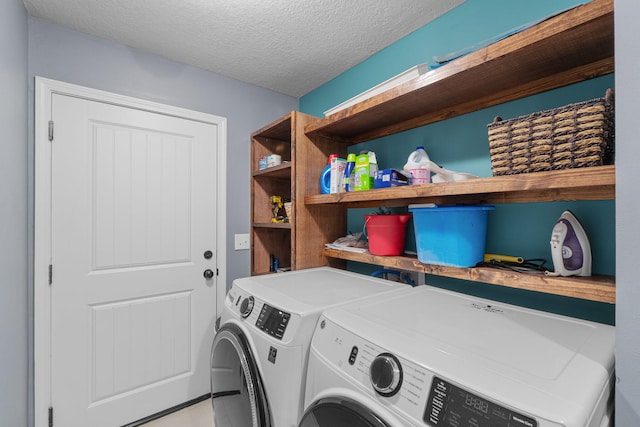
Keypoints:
(133, 212)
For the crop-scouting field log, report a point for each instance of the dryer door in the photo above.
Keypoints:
(340, 412)
(237, 392)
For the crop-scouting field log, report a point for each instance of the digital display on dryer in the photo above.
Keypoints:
(449, 405)
(273, 321)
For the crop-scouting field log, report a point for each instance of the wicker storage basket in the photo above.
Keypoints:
(574, 136)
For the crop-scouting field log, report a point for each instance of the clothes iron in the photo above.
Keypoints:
(570, 248)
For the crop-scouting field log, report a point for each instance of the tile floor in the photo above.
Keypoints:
(198, 415)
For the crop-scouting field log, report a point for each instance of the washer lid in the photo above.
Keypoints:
(315, 288)
(530, 341)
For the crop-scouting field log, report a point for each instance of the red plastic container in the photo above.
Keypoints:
(386, 233)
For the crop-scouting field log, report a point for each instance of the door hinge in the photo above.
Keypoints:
(50, 416)
(217, 272)
(50, 274)
(50, 130)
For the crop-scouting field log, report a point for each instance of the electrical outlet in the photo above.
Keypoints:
(241, 242)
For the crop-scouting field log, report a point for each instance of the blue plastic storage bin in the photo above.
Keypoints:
(450, 235)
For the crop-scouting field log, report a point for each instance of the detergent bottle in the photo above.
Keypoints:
(415, 165)
(364, 171)
(348, 177)
(325, 176)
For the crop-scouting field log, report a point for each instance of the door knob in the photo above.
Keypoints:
(208, 273)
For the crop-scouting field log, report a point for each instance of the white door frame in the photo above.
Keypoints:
(44, 90)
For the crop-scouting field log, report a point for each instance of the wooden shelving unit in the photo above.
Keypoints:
(297, 243)
(571, 47)
(268, 238)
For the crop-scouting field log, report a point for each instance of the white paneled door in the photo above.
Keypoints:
(133, 231)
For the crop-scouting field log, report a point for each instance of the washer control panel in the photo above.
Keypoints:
(273, 321)
(385, 373)
(450, 405)
(388, 378)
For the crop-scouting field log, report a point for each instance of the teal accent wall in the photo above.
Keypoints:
(461, 144)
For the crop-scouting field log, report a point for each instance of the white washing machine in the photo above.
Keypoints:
(260, 351)
(436, 358)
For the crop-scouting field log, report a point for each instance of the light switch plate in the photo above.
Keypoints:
(241, 242)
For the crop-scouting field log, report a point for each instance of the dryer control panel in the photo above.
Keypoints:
(265, 317)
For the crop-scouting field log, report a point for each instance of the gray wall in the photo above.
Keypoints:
(627, 14)
(14, 354)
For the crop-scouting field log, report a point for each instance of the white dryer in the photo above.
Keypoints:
(260, 351)
(436, 358)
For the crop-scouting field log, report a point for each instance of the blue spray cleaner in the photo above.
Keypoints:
(348, 178)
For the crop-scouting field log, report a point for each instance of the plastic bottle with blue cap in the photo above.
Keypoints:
(325, 176)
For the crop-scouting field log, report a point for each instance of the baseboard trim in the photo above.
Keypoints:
(168, 411)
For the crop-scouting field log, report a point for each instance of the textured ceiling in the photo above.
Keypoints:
(289, 46)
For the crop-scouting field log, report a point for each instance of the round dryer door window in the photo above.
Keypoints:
(340, 412)
(237, 393)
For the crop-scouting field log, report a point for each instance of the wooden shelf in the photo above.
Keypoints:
(281, 171)
(282, 225)
(571, 47)
(594, 288)
(279, 130)
(595, 183)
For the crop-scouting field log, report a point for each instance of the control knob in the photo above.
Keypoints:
(385, 374)
(246, 307)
